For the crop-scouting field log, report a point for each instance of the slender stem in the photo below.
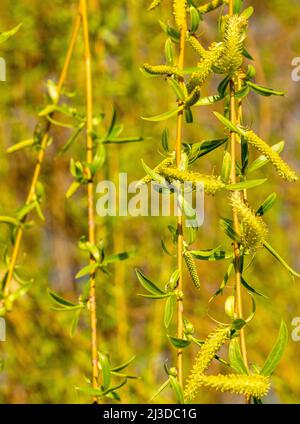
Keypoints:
(40, 159)
(235, 115)
(90, 193)
(179, 220)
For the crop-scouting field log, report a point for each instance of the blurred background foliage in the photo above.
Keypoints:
(42, 364)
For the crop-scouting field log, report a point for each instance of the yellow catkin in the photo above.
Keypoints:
(234, 36)
(254, 228)
(248, 385)
(168, 162)
(209, 349)
(281, 167)
(212, 5)
(193, 97)
(211, 184)
(195, 44)
(179, 10)
(190, 263)
(161, 69)
(205, 66)
(154, 4)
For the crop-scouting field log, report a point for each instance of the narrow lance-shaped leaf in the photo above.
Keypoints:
(278, 350)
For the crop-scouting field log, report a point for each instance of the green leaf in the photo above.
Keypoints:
(21, 145)
(179, 343)
(154, 175)
(163, 116)
(224, 281)
(124, 140)
(247, 54)
(148, 284)
(264, 91)
(112, 125)
(280, 259)
(105, 368)
(242, 93)
(21, 291)
(124, 365)
(204, 147)
(176, 88)
(228, 124)
(194, 19)
(72, 189)
(227, 228)
(87, 270)
(8, 34)
(169, 52)
(209, 100)
(60, 300)
(165, 140)
(235, 357)
(90, 391)
(247, 13)
(251, 289)
(278, 350)
(246, 184)
(176, 388)
(161, 388)
(267, 205)
(169, 311)
(71, 140)
(118, 257)
(211, 254)
(74, 324)
(155, 296)
(262, 160)
(9, 220)
(226, 167)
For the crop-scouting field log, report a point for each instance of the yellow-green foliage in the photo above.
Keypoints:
(234, 36)
(214, 4)
(254, 228)
(248, 385)
(210, 348)
(154, 4)
(193, 97)
(211, 184)
(281, 167)
(196, 45)
(190, 263)
(168, 162)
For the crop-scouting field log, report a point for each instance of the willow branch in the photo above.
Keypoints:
(90, 192)
(39, 161)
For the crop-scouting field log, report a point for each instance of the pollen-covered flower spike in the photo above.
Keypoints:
(254, 228)
(154, 4)
(191, 266)
(211, 184)
(179, 10)
(281, 167)
(209, 349)
(161, 69)
(256, 386)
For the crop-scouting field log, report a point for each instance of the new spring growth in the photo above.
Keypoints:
(254, 228)
(281, 167)
(248, 385)
(191, 266)
(234, 35)
(154, 4)
(161, 69)
(209, 349)
(179, 10)
(214, 4)
(168, 162)
(205, 67)
(211, 184)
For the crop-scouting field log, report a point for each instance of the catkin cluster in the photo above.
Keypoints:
(281, 167)
(209, 349)
(154, 4)
(205, 67)
(161, 69)
(191, 266)
(234, 35)
(254, 228)
(179, 10)
(211, 184)
(248, 385)
(168, 162)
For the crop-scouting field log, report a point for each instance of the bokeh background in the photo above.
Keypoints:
(41, 363)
